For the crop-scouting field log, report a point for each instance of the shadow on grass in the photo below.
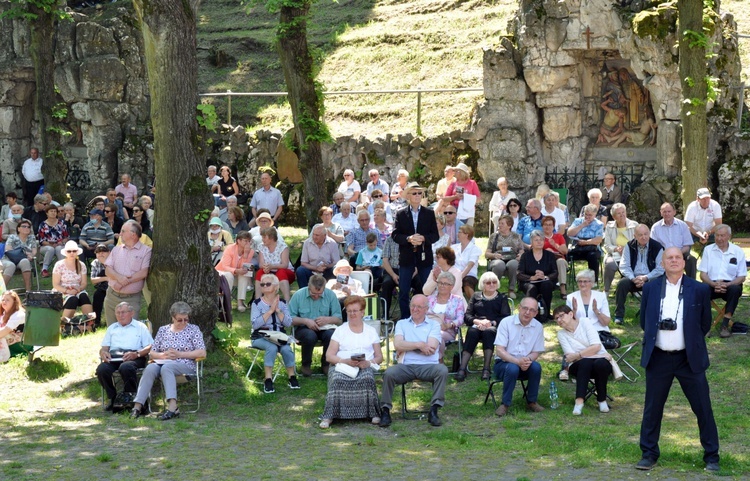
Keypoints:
(43, 370)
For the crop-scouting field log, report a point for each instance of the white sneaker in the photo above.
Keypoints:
(603, 407)
(563, 376)
(577, 409)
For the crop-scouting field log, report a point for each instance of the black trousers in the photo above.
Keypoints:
(597, 369)
(307, 339)
(589, 255)
(30, 189)
(662, 368)
(541, 289)
(388, 287)
(474, 335)
(732, 296)
(128, 371)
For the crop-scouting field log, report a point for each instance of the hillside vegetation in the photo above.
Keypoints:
(366, 45)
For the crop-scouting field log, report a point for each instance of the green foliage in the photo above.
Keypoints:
(60, 111)
(207, 117)
(22, 9)
(226, 340)
(712, 93)
(203, 215)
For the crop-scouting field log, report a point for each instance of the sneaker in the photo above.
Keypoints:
(645, 464)
(712, 467)
(293, 383)
(725, 332)
(45, 273)
(268, 386)
(563, 376)
(603, 407)
(577, 409)
(618, 320)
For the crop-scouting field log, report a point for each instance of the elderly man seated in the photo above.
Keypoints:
(724, 269)
(320, 254)
(417, 341)
(587, 233)
(345, 218)
(315, 314)
(672, 232)
(125, 348)
(703, 217)
(640, 263)
(224, 212)
(518, 344)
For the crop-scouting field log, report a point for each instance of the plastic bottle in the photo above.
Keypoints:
(553, 399)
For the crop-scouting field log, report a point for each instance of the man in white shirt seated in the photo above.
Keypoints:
(550, 209)
(724, 269)
(417, 340)
(703, 217)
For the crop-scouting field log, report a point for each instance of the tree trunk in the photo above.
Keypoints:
(307, 106)
(693, 71)
(181, 268)
(42, 50)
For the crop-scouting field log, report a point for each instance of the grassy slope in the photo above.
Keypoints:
(369, 45)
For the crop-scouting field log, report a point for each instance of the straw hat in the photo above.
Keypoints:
(72, 246)
(463, 167)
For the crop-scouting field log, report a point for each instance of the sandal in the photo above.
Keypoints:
(325, 424)
(135, 413)
(486, 374)
(461, 375)
(167, 415)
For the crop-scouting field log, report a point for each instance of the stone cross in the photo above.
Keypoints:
(588, 34)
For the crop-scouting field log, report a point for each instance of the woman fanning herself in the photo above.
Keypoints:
(175, 349)
(485, 311)
(356, 346)
(585, 355)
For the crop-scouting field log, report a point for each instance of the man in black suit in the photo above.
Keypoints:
(675, 318)
(415, 231)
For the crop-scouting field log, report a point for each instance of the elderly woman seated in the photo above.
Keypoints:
(587, 233)
(504, 249)
(585, 355)
(485, 311)
(446, 309)
(617, 234)
(537, 273)
(270, 316)
(355, 351)
(12, 317)
(175, 349)
(467, 259)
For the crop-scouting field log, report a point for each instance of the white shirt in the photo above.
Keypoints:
(212, 180)
(674, 309)
(719, 266)
(558, 214)
(351, 343)
(601, 304)
(703, 219)
(470, 254)
(517, 339)
(32, 169)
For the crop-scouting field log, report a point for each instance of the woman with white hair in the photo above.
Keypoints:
(487, 307)
(587, 233)
(398, 188)
(618, 232)
(595, 198)
(499, 201)
(350, 188)
(446, 309)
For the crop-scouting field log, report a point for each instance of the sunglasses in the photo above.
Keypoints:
(265, 284)
(490, 282)
(448, 213)
(417, 193)
(108, 211)
(72, 251)
(136, 210)
(377, 196)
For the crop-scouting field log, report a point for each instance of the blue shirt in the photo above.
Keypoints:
(358, 238)
(133, 337)
(526, 226)
(421, 332)
(595, 229)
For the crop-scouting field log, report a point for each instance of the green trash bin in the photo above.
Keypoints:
(43, 310)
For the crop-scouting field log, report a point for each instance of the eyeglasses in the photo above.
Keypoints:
(182, 319)
(584, 281)
(529, 309)
(514, 205)
(444, 284)
(376, 196)
(266, 284)
(490, 282)
(374, 175)
(559, 318)
(25, 225)
(418, 307)
(107, 211)
(417, 193)
(353, 311)
(449, 213)
(137, 210)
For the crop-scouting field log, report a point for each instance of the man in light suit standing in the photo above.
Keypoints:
(415, 231)
(675, 318)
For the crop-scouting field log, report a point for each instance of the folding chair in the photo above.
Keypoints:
(260, 352)
(405, 413)
(365, 277)
(720, 311)
(375, 308)
(197, 380)
(620, 355)
(591, 391)
(491, 389)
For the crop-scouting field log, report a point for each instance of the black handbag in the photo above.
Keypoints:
(16, 255)
(608, 340)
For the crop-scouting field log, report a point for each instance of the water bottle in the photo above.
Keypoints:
(553, 399)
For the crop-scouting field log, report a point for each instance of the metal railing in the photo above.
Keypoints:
(229, 94)
(579, 182)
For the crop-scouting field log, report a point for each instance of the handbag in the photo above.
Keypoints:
(16, 255)
(616, 372)
(347, 370)
(608, 340)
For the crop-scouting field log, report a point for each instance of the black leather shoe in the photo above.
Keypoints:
(461, 375)
(645, 464)
(385, 418)
(433, 418)
(110, 406)
(712, 467)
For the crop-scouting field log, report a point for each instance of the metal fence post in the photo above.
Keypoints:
(229, 107)
(419, 112)
(741, 105)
